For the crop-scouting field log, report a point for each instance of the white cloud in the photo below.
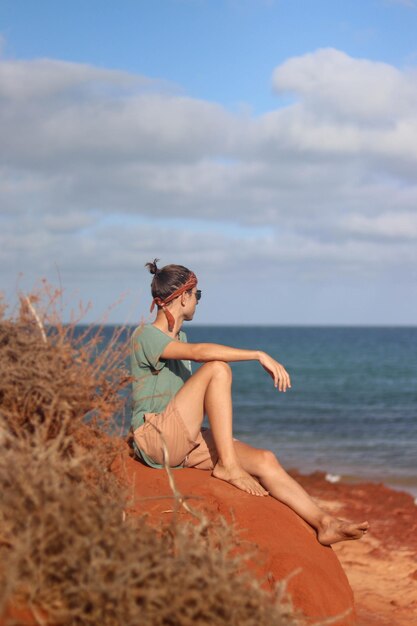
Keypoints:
(390, 225)
(91, 157)
(338, 88)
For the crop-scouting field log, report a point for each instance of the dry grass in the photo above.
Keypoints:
(52, 382)
(69, 551)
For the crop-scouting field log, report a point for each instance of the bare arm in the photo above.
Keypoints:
(204, 352)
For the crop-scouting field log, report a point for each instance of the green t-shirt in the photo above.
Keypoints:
(155, 380)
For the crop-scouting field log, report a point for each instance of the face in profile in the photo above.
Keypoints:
(191, 303)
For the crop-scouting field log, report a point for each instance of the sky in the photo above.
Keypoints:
(269, 146)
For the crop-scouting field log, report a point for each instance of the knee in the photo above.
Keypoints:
(269, 461)
(219, 368)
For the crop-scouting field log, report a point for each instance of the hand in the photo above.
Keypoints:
(277, 372)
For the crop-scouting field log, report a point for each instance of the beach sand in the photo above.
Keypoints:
(382, 567)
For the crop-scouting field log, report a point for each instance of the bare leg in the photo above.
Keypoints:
(210, 389)
(274, 478)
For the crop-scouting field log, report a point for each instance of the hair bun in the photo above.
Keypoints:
(152, 267)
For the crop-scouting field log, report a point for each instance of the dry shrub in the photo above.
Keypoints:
(52, 381)
(69, 550)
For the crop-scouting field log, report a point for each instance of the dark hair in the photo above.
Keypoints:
(167, 279)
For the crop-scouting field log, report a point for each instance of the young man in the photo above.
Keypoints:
(171, 401)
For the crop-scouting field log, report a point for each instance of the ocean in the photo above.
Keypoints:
(352, 408)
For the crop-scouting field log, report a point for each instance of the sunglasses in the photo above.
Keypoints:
(198, 295)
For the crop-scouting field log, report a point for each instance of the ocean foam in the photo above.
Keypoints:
(332, 478)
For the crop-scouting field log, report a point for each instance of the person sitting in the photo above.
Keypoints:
(170, 402)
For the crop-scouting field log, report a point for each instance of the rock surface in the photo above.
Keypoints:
(287, 547)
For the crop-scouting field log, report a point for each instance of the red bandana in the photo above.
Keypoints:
(191, 282)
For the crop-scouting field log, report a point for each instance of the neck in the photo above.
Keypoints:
(161, 323)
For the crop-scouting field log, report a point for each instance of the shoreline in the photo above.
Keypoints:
(396, 483)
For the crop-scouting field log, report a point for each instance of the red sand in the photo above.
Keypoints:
(382, 567)
(286, 544)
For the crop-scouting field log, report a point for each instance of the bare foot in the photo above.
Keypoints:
(236, 476)
(333, 529)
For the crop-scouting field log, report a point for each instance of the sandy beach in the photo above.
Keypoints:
(382, 567)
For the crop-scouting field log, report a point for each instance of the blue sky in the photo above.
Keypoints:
(219, 50)
(269, 145)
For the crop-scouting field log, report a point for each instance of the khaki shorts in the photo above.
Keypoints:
(182, 449)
